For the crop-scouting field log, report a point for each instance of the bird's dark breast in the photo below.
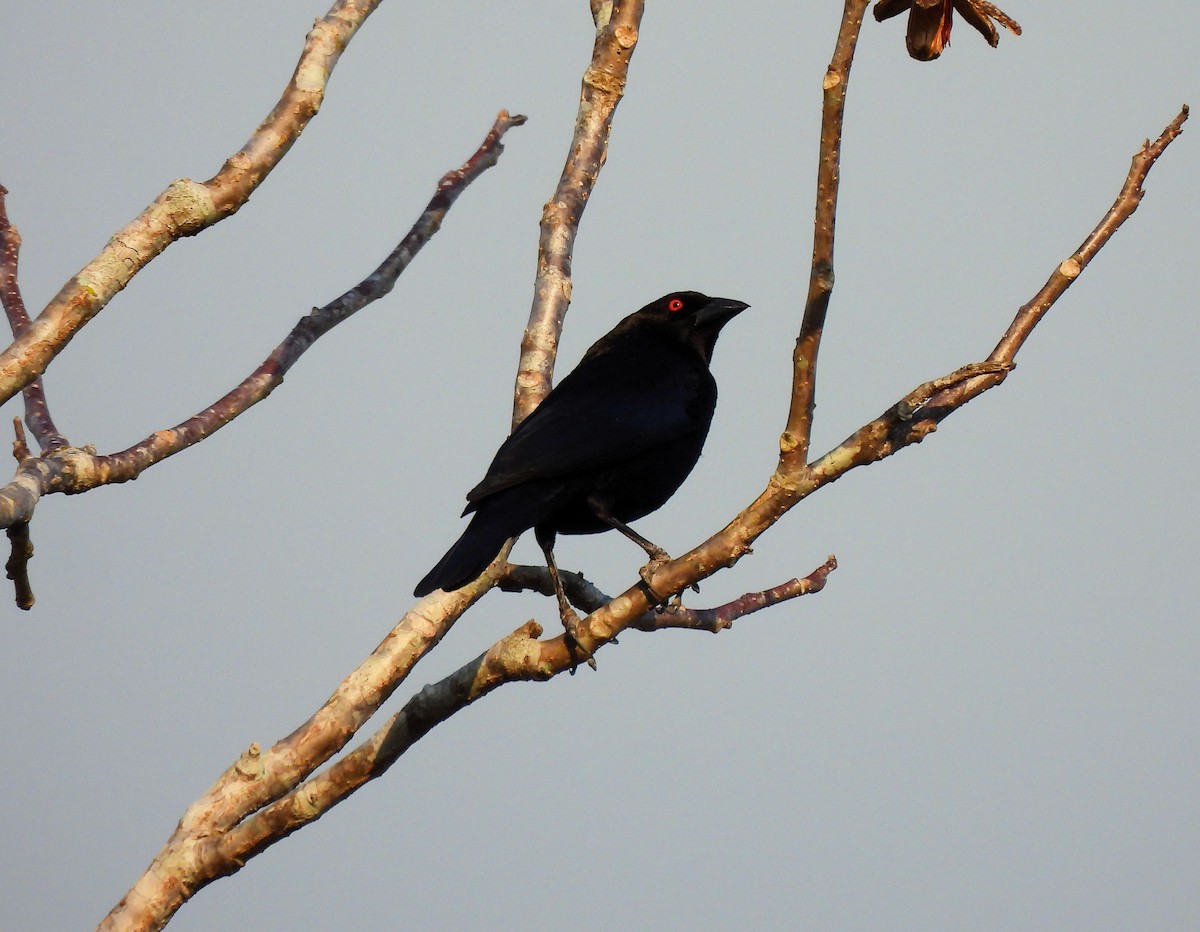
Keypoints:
(630, 489)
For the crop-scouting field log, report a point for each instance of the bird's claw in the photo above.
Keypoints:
(658, 559)
(659, 603)
(570, 622)
(658, 556)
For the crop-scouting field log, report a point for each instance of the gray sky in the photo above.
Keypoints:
(989, 717)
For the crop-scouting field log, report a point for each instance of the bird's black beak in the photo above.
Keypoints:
(719, 311)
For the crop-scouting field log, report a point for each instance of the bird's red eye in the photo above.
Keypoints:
(675, 304)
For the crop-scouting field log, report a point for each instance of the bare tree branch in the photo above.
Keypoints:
(186, 207)
(37, 410)
(17, 566)
(1068, 270)
(793, 445)
(617, 26)
(1066, 273)
(517, 657)
(194, 855)
(585, 596)
(71, 470)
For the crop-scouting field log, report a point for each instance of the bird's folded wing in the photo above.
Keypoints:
(595, 417)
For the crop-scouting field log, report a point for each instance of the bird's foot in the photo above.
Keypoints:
(661, 603)
(570, 623)
(658, 559)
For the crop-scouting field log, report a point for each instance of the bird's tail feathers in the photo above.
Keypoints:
(471, 553)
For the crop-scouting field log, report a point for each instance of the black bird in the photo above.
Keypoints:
(608, 445)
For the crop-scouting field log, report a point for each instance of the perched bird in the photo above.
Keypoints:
(608, 445)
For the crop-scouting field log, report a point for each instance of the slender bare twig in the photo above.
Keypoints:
(1122, 209)
(1068, 270)
(37, 410)
(617, 26)
(186, 207)
(585, 596)
(127, 464)
(793, 445)
(73, 470)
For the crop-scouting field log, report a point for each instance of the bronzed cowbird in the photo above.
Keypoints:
(609, 444)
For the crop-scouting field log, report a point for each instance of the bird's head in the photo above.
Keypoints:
(697, 315)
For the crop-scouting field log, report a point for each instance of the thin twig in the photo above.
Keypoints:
(587, 597)
(1068, 270)
(19, 541)
(603, 86)
(794, 444)
(37, 409)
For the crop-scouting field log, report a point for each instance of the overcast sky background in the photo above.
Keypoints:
(989, 718)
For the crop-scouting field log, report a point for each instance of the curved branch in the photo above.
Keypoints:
(186, 207)
(71, 470)
(617, 26)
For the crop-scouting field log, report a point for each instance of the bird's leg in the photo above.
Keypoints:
(599, 508)
(658, 556)
(568, 616)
